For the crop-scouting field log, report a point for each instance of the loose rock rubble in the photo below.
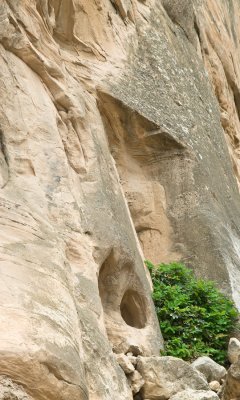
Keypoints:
(136, 381)
(132, 358)
(170, 378)
(125, 363)
(128, 363)
(165, 376)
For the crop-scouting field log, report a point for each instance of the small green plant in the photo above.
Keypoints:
(195, 317)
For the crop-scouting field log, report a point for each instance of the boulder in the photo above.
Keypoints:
(190, 394)
(215, 386)
(233, 350)
(209, 368)
(165, 376)
(125, 363)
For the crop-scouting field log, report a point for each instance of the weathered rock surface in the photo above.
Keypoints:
(112, 136)
(233, 350)
(74, 283)
(125, 363)
(11, 391)
(195, 395)
(132, 358)
(165, 376)
(209, 368)
(215, 386)
(163, 126)
(136, 381)
(217, 24)
(231, 390)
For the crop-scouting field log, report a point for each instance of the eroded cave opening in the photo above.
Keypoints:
(125, 306)
(133, 308)
(119, 300)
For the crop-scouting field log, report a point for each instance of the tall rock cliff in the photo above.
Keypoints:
(119, 141)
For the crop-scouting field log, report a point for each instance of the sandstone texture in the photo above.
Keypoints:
(119, 141)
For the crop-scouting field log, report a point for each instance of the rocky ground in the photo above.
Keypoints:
(170, 378)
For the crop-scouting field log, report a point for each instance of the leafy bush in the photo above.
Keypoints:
(195, 317)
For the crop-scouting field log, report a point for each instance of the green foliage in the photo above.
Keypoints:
(194, 316)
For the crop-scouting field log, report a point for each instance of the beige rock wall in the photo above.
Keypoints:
(218, 26)
(111, 147)
(69, 255)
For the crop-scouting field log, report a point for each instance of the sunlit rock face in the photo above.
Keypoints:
(118, 142)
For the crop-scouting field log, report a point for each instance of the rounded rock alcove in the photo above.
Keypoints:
(133, 309)
(127, 313)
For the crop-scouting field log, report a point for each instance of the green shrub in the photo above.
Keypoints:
(195, 317)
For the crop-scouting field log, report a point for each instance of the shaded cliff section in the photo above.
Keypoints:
(112, 150)
(179, 180)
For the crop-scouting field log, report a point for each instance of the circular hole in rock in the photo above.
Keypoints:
(133, 309)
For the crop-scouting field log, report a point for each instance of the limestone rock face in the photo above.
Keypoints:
(116, 145)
